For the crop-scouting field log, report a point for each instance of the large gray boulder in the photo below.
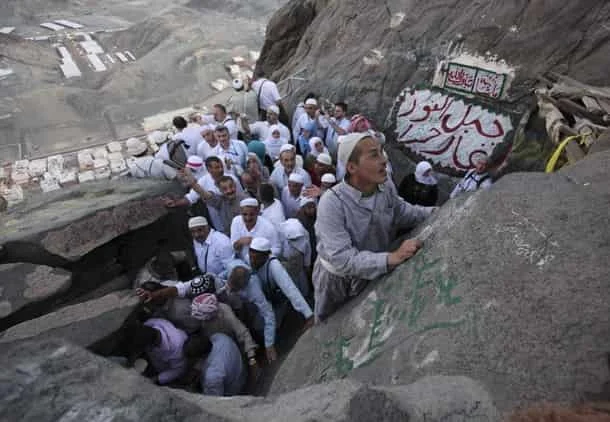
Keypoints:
(24, 283)
(82, 324)
(511, 289)
(332, 43)
(430, 399)
(73, 221)
(61, 246)
(51, 380)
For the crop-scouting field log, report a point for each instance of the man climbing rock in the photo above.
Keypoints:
(357, 221)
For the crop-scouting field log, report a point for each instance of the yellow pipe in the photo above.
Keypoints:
(550, 165)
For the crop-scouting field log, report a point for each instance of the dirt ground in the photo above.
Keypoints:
(180, 47)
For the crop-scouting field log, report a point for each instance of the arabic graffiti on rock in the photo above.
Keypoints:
(460, 77)
(472, 79)
(397, 311)
(445, 130)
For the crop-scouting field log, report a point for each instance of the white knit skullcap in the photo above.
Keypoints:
(197, 222)
(328, 178)
(248, 202)
(347, 143)
(273, 109)
(324, 158)
(296, 178)
(306, 200)
(311, 101)
(286, 147)
(260, 244)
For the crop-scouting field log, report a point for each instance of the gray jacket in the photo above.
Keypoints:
(354, 233)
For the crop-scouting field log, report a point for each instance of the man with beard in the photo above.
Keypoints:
(222, 201)
(279, 176)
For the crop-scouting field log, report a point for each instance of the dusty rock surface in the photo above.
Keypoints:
(61, 246)
(509, 289)
(49, 380)
(83, 324)
(74, 221)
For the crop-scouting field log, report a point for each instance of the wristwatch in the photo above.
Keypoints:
(252, 362)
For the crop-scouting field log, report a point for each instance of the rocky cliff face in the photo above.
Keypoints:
(366, 52)
(509, 289)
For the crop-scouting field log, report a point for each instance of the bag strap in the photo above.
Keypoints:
(258, 95)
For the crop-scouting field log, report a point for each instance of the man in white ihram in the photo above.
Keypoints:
(356, 223)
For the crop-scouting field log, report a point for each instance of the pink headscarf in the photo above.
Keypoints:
(205, 307)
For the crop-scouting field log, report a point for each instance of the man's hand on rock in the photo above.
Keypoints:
(168, 202)
(407, 249)
(144, 295)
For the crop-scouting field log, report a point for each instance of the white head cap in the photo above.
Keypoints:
(197, 222)
(273, 109)
(194, 162)
(293, 229)
(324, 158)
(328, 178)
(311, 101)
(248, 202)
(286, 147)
(238, 84)
(347, 143)
(260, 244)
(306, 200)
(296, 178)
(158, 137)
(135, 146)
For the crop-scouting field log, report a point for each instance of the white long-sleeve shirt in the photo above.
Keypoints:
(237, 153)
(290, 203)
(262, 228)
(274, 213)
(267, 93)
(191, 135)
(272, 274)
(213, 254)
